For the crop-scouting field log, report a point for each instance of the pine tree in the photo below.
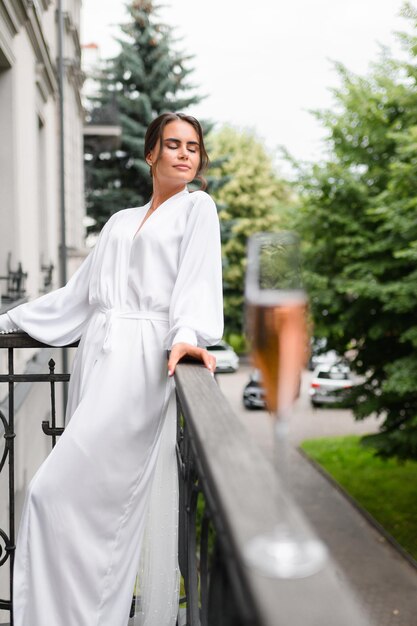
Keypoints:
(146, 78)
(251, 198)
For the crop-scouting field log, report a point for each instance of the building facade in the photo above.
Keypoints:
(30, 184)
(30, 141)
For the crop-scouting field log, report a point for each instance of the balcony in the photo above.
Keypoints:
(220, 466)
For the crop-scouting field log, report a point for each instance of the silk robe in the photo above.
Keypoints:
(111, 479)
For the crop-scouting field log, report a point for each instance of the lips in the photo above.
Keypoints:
(183, 168)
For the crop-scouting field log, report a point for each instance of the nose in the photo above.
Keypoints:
(183, 153)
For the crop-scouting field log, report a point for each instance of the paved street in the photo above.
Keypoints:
(306, 422)
(384, 581)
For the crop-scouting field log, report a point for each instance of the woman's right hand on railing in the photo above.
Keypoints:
(179, 350)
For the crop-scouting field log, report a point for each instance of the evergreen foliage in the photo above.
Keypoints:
(251, 198)
(359, 221)
(148, 77)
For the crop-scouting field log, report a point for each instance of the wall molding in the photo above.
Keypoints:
(45, 3)
(7, 58)
(12, 15)
(72, 31)
(41, 82)
(18, 14)
(41, 50)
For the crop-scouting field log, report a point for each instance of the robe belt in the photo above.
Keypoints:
(112, 314)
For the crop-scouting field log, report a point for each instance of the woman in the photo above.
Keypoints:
(152, 283)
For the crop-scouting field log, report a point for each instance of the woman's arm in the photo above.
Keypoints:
(59, 317)
(196, 311)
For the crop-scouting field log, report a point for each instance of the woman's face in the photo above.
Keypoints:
(180, 157)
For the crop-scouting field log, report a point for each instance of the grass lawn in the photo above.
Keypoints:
(386, 489)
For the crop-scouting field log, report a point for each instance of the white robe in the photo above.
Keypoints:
(113, 472)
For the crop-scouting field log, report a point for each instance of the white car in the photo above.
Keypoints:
(330, 384)
(226, 358)
(319, 355)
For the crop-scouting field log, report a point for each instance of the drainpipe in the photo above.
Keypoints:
(63, 238)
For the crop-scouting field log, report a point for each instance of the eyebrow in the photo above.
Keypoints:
(194, 143)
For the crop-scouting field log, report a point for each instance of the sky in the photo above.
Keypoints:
(265, 65)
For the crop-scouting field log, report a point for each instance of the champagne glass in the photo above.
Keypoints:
(276, 307)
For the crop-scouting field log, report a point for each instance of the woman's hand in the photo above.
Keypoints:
(179, 350)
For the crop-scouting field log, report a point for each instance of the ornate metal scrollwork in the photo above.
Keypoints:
(15, 281)
(47, 271)
(50, 428)
(7, 546)
(6, 549)
(8, 437)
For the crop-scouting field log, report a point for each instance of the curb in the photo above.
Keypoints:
(389, 538)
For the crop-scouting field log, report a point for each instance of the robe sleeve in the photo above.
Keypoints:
(6, 324)
(196, 309)
(58, 318)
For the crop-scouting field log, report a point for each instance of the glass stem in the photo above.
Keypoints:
(281, 429)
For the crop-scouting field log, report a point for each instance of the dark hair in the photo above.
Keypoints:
(155, 133)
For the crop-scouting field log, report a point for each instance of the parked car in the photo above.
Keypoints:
(330, 384)
(254, 393)
(226, 358)
(320, 355)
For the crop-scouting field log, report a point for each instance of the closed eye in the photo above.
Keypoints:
(174, 144)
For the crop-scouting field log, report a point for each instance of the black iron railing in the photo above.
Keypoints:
(225, 498)
(7, 461)
(14, 288)
(47, 271)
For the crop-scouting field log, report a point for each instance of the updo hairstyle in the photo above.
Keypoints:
(155, 133)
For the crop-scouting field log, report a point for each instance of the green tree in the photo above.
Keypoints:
(145, 79)
(252, 198)
(359, 223)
